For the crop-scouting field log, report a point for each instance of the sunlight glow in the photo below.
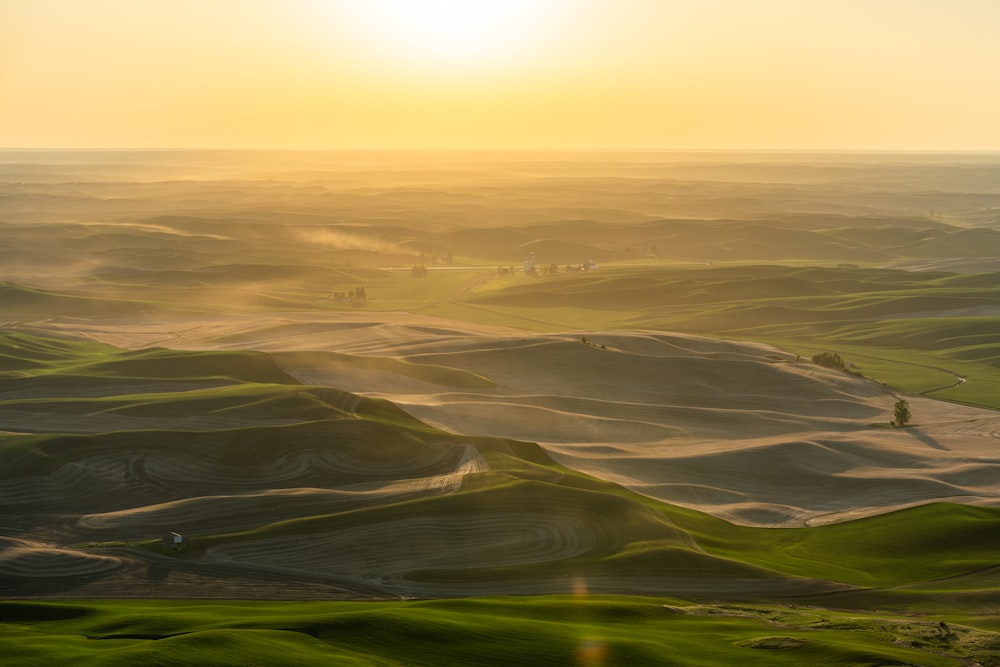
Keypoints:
(455, 34)
(525, 74)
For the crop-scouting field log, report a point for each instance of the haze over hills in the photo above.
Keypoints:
(499, 332)
(341, 381)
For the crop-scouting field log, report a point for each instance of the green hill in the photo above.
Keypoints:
(281, 483)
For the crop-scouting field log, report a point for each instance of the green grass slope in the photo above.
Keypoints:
(570, 630)
(281, 482)
(917, 331)
(26, 303)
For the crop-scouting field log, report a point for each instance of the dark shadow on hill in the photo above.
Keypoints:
(923, 437)
(47, 586)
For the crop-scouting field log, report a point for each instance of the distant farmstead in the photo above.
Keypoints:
(174, 540)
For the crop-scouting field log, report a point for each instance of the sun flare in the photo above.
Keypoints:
(454, 34)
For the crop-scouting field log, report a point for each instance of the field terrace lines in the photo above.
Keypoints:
(777, 481)
(526, 539)
(742, 431)
(75, 473)
(123, 466)
(523, 418)
(315, 478)
(348, 332)
(645, 408)
(47, 420)
(63, 386)
(243, 510)
(99, 493)
(384, 553)
(222, 406)
(33, 559)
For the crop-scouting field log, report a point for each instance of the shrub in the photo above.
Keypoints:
(830, 360)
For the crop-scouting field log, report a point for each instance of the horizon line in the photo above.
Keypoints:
(164, 149)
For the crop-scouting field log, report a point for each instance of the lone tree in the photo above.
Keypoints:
(901, 413)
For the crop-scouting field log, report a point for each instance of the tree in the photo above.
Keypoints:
(901, 413)
(830, 360)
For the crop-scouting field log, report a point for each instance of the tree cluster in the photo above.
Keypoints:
(830, 360)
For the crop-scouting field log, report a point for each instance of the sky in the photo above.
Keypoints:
(501, 74)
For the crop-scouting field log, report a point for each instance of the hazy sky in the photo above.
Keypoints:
(757, 74)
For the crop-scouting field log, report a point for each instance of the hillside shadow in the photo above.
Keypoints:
(924, 438)
(45, 586)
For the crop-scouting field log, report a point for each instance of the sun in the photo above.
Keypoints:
(454, 34)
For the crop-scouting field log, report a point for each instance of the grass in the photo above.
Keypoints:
(397, 290)
(640, 539)
(38, 356)
(865, 313)
(352, 440)
(440, 375)
(900, 327)
(31, 303)
(881, 551)
(552, 630)
(938, 558)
